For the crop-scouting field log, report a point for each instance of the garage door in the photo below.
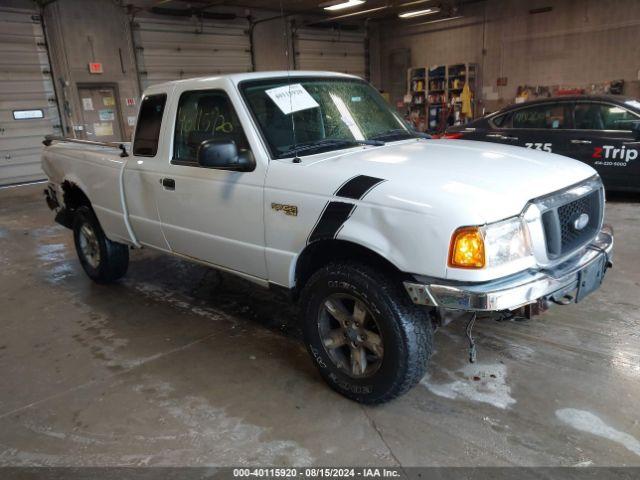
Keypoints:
(330, 49)
(171, 49)
(28, 108)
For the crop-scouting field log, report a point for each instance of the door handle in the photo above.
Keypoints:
(512, 139)
(581, 142)
(168, 183)
(636, 143)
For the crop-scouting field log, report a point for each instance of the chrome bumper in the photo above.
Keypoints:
(517, 290)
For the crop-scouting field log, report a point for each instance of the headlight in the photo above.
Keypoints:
(506, 241)
(490, 245)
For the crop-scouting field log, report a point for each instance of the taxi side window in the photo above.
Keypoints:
(550, 116)
(502, 121)
(599, 116)
(617, 118)
(205, 115)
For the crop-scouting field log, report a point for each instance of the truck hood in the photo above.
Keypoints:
(490, 181)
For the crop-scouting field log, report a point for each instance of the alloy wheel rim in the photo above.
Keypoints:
(350, 335)
(89, 245)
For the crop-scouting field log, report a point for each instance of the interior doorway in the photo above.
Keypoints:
(100, 113)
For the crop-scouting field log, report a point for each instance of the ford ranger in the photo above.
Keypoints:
(310, 182)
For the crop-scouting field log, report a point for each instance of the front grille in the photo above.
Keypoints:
(562, 234)
(569, 213)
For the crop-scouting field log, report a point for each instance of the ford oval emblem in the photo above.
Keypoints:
(581, 222)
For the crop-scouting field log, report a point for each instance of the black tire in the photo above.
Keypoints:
(103, 261)
(403, 329)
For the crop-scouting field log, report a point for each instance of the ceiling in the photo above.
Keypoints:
(372, 9)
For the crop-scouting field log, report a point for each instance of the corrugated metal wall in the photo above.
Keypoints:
(25, 84)
(329, 49)
(175, 48)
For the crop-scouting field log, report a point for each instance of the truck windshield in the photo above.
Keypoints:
(307, 115)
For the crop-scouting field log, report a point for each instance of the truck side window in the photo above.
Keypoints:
(205, 115)
(549, 116)
(149, 122)
(598, 116)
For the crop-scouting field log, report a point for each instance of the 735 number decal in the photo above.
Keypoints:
(545, 147)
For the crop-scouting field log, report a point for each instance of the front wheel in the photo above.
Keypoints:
(368, 340)
(103, 261)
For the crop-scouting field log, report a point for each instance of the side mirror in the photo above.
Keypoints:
(224, 155)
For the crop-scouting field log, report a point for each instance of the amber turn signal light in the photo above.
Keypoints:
(467, 248)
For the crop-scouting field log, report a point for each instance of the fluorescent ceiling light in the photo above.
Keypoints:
(412, 3)
(419, 13)
(360, 12)
(339, 6)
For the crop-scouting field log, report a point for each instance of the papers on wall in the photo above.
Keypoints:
(106, 115)
(87, 104)
(103, 129)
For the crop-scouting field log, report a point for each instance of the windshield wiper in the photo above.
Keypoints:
(399, 133)
(327, 143)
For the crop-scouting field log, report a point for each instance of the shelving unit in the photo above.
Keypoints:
(440, 105)
(437, 96)
(417, 90)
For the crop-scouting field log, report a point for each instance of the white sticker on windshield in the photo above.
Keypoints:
(291, 98)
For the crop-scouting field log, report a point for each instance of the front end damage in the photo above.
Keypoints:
(567, 282)
(523, 295)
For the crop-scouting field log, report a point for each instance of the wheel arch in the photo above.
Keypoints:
(74, 195)
(72, 198)
(320, 253)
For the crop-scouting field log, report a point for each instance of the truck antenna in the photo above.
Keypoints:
(287, 39)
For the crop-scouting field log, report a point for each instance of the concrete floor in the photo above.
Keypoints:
(178, 365)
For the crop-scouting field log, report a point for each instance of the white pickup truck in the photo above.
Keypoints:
(308, 181)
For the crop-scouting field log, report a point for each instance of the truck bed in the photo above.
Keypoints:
(97, 170)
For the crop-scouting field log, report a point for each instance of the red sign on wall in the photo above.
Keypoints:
(95, 67)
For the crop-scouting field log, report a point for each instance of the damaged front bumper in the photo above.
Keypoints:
(567, 282)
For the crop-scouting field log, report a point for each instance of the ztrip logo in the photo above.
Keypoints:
(612, 153)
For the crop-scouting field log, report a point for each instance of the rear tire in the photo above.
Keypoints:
(367, 339)
(103, 261)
